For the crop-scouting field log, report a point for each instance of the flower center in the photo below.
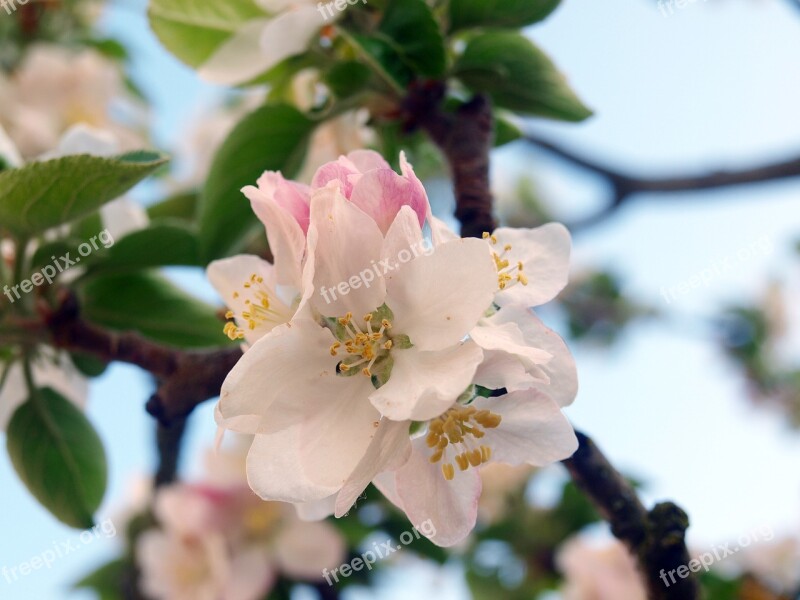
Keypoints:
(507, 274)
(259, 309)
(457, 430)
(364, 345)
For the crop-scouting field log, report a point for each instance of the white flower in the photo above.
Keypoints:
(8, 151)
(306, 387)
(599, 571)
(441, 480)
(219, 541)
(56, 372)
(286, 29)
(55, 88)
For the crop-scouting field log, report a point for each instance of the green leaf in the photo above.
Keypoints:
(384, 59)
(160, 244)
(88, 364)
(347, 78)
(59, 456)
(518, 76)
(193, 30)
(41, 195)
(505, 131)
(150, 304)
(181, 206)
(272, 138)
(107, 581)
(511, 14)
(414, 33)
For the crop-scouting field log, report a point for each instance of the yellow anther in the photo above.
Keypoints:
(448, 471)
(461, 460)
(457, 428)
(229, 314)
(344, 367)
(507, 247)
(368, 317)
(334, 347)
(486, 235)
(366, 372)
(522, 279)
(385, 324)
(387, 345)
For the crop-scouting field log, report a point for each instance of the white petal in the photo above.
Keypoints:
(286, 238)
(304, 549)
(228, 277)
(388, 450)
(507, 336)
(347, 248)
(85, 139)
(292, 361)
(8, 151)
(425, 384)
(404, 238)
(451, 506)
(316, 510)
(437, 299)
(251, 574)
(312, 458)
(274, 470)
(123, 216)
(259, 45)
(533, 429)
(562, 373)
(544, 252)
(503, 370)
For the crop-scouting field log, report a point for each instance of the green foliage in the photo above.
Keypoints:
(193, 30)
(518, 76)
(499, 13)
(149, 304)
(41, 195)
(347, 78)
(59, 457)
(272, 138)
(181, 206)
(414, 33)
(107, 581)
(161, 244)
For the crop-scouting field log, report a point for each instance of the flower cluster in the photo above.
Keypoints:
(413, 382)
(217, 540)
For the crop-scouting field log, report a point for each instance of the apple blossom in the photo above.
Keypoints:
(54, 88)
(599, 571)
(219, 541)
(441, 480)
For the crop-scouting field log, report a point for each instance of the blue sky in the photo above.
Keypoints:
(713, 85)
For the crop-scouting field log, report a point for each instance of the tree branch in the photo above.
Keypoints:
(655, 537)
(625, 187)
(465, 139)
(185, 378)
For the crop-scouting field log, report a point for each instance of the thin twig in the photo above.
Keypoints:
(625, 187)
(655, 537)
